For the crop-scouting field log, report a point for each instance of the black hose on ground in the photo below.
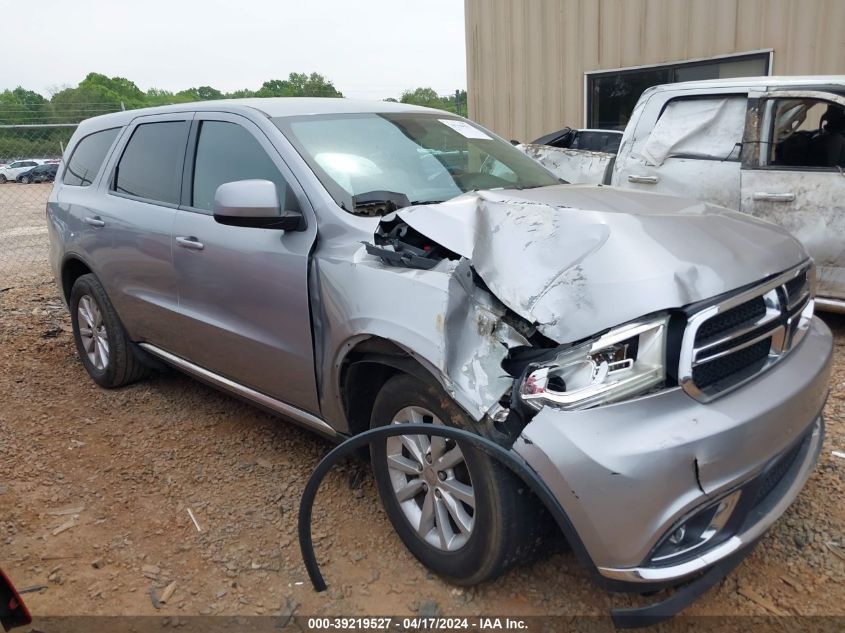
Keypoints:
(623, 618)
(507, 457)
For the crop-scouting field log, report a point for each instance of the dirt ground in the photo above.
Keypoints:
(96, 485)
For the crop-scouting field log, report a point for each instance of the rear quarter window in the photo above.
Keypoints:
(88, 157)
(151, 164)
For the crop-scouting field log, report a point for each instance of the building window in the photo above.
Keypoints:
(611, 96)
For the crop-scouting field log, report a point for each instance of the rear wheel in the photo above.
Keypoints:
(103, 345)
(457, 510)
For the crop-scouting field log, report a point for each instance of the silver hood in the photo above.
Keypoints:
(576, 260)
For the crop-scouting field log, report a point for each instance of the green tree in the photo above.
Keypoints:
(243, 93)
(157, 96)
(299, 85)
(23, 106)
(422, 97)
(202, 93)
(96, 94)
(429, 98)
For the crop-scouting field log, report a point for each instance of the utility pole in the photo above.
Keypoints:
(458, 102)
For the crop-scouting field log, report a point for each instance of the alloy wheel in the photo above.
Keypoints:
(431, 482)
(92, 332)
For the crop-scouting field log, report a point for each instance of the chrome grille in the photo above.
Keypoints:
(730, 342)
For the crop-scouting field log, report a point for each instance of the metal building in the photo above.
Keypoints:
(535, 66)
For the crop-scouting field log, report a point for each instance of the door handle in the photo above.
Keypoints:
(773, 197)
(191, 243)
(643, 180)
(96, 222)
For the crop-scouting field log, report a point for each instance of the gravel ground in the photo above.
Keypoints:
(96, 485)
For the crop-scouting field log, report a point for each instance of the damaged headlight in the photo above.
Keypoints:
(625, 362)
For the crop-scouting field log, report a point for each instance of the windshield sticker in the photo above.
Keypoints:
(465, 129)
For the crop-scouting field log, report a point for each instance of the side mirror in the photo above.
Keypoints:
(254, 204)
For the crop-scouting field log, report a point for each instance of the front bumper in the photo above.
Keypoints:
(627, 474)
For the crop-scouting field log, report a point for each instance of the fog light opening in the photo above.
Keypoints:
(697, 530)
(677, 537)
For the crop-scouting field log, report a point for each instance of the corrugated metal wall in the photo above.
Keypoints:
(526, 59)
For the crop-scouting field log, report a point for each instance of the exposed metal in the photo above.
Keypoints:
(575, 166)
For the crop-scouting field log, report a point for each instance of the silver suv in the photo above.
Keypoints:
(655, 360)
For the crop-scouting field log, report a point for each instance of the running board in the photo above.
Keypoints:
(297, 415)
(830, 305)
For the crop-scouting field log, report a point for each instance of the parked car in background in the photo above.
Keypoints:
(13, 611)
(771, 147)
(13, 170)
(41, 173)
(654, 359)
(589, 140)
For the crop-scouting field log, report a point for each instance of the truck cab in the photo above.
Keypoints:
(771, 147)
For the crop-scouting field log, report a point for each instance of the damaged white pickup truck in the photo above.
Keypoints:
(653, 360)
(771, 147)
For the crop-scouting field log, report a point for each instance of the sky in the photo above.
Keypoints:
(369, 49)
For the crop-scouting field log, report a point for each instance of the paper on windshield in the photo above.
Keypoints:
(465, 129)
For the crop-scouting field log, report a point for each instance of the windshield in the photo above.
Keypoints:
(409, 158)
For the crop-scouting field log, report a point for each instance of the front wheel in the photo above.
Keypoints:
(3, 179)
(25, 180)
(460, 512)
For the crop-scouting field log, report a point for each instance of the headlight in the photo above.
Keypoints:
(625, 362)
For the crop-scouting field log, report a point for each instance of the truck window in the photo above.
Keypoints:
(808, 133)
(701, 128)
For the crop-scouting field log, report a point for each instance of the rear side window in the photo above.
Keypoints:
(87, 158)
(227, 152)
(151, 165)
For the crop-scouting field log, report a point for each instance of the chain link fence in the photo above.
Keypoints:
(24, 189)
(37, 135)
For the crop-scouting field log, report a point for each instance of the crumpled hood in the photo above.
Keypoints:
(576, 260)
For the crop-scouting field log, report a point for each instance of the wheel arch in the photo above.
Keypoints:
(73, 267)
(364, 369)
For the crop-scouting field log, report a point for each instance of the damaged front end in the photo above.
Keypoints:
(557, 319)
(548, 304)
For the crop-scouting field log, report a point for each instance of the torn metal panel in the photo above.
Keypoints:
(575, 260)
(444, 321)
(577, 166)
(702, 128)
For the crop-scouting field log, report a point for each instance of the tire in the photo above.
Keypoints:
(506, 522)
(25, 180)
(3, 179)
(95, 322)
